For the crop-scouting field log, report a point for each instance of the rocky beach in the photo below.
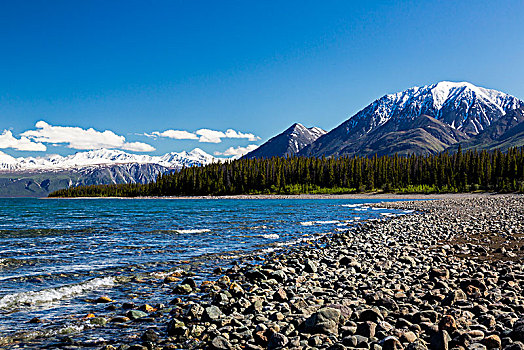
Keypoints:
(449, 276)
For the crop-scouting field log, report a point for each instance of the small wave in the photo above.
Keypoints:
(270, 236)
(327, 222)
(193, 231)
(29, 335)
(351, 205)
(53, 294)
(311, 223)
(307, 223)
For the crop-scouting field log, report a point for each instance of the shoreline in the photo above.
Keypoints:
(402, 197)
(450, 275)
(405, 282)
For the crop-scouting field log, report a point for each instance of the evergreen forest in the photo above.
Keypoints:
(467, 171)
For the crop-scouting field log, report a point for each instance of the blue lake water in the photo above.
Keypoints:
(55, 253)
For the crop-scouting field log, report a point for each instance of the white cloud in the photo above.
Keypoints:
(232, 134)
(237, 152)
(175, 134)
(84, 139)
(7, 140)
(204, 135)
(212, 136)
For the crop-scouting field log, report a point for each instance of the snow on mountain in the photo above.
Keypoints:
(7, 162)
(287, 143)
(461, 105)
(421, 120)
(104, 157)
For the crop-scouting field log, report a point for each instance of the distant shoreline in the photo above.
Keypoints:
(309, 196)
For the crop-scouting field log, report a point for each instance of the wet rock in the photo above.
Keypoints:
(190, 282)
(99, 321)
(177, 328)
(255, 275)
(182, 289)
(137, 347)
(171, 279)
(150, 336)
(103, 299)
(120, 319)
(136, 314)
(146, 308)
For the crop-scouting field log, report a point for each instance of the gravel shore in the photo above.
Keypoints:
(448, 276)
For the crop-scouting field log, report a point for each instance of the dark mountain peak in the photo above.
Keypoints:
(287, 143)
(293, 128)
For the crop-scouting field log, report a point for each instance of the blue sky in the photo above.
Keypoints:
(137, 68)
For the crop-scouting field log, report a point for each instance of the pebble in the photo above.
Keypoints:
(436, 279)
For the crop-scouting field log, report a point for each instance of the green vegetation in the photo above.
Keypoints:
(445, 172)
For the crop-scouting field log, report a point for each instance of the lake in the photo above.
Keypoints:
(57, 255)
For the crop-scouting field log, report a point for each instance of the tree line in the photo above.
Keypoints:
(445, 172)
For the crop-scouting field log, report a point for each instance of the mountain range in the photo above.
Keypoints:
(37, 176)
(420, 120)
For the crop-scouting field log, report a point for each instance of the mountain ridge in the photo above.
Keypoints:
(106, 157)
(38, 176)
(459, 107)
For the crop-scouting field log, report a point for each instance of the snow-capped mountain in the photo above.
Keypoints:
(7, 162)
(463, 106)
(37, 176)
(457, 111)
(103, 157)
(288, 143)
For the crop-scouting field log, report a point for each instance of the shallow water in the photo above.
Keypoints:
(56, 254)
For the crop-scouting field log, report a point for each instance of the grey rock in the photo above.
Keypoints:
(220, 343)
(324, 321)
(212, 314)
